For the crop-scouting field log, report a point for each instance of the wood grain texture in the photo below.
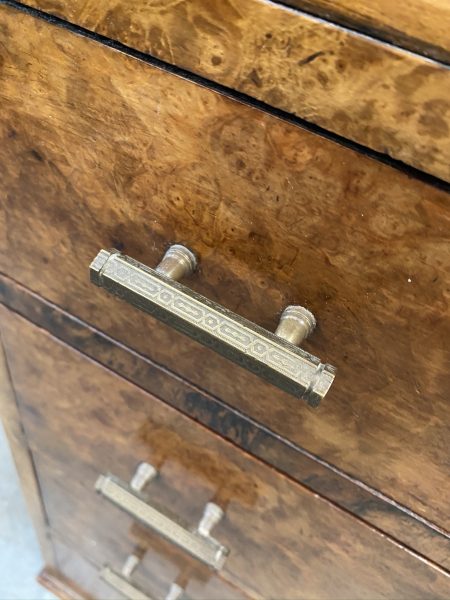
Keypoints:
(110, 152)
(104, 535)
(272, 526)
(388, 99)
(79, 568)
(151, 575)
(368, 505)
(23, 459)
(419, 25)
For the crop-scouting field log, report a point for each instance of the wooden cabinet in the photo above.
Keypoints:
(374, 93)
(197, 123)
(82, 421)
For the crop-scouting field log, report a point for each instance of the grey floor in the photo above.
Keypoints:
(20, 558)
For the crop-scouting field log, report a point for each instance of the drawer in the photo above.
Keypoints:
(111, 151)
(406, 23)
(383, 97)
(75, 567)
(82, 420)
(107, 536)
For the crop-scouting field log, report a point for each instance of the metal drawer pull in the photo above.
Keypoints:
(144, 473)
(121, 583)
(199, 543)
(123, 586)
(129, 566)
(273, 357)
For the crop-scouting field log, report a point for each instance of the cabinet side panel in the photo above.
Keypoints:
(22, 457)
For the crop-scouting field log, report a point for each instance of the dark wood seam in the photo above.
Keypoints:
(384, 34)
(327, 481)
(231, 93)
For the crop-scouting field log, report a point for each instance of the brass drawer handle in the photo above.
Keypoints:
(121, 582)
(273, 357)
(122, 585)
(197, 542)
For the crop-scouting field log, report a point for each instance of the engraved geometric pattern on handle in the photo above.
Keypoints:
(203, 316)
(247, 344)
(205, 548)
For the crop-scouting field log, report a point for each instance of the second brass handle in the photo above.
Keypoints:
(122, 582)
(274, 357)
(197, 542)
(131, 592)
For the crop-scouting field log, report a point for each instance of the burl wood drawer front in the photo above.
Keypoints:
(285, 542)
(419, 25)
(106, 536)
(99, 150)
(78, 568)
(383, 97)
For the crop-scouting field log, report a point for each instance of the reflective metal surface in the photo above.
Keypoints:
(130, 565)
(296, 324)
(198, 543)
(211, 516)
(121, 582)
(178, 262)
(268, 355)
(122, 585)
(144, 473)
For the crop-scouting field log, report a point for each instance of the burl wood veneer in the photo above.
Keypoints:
(99, 149)
(420, 25)
(381, 96)
(284, 541)
(80, 568)
(105, 535)
(352, 495)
